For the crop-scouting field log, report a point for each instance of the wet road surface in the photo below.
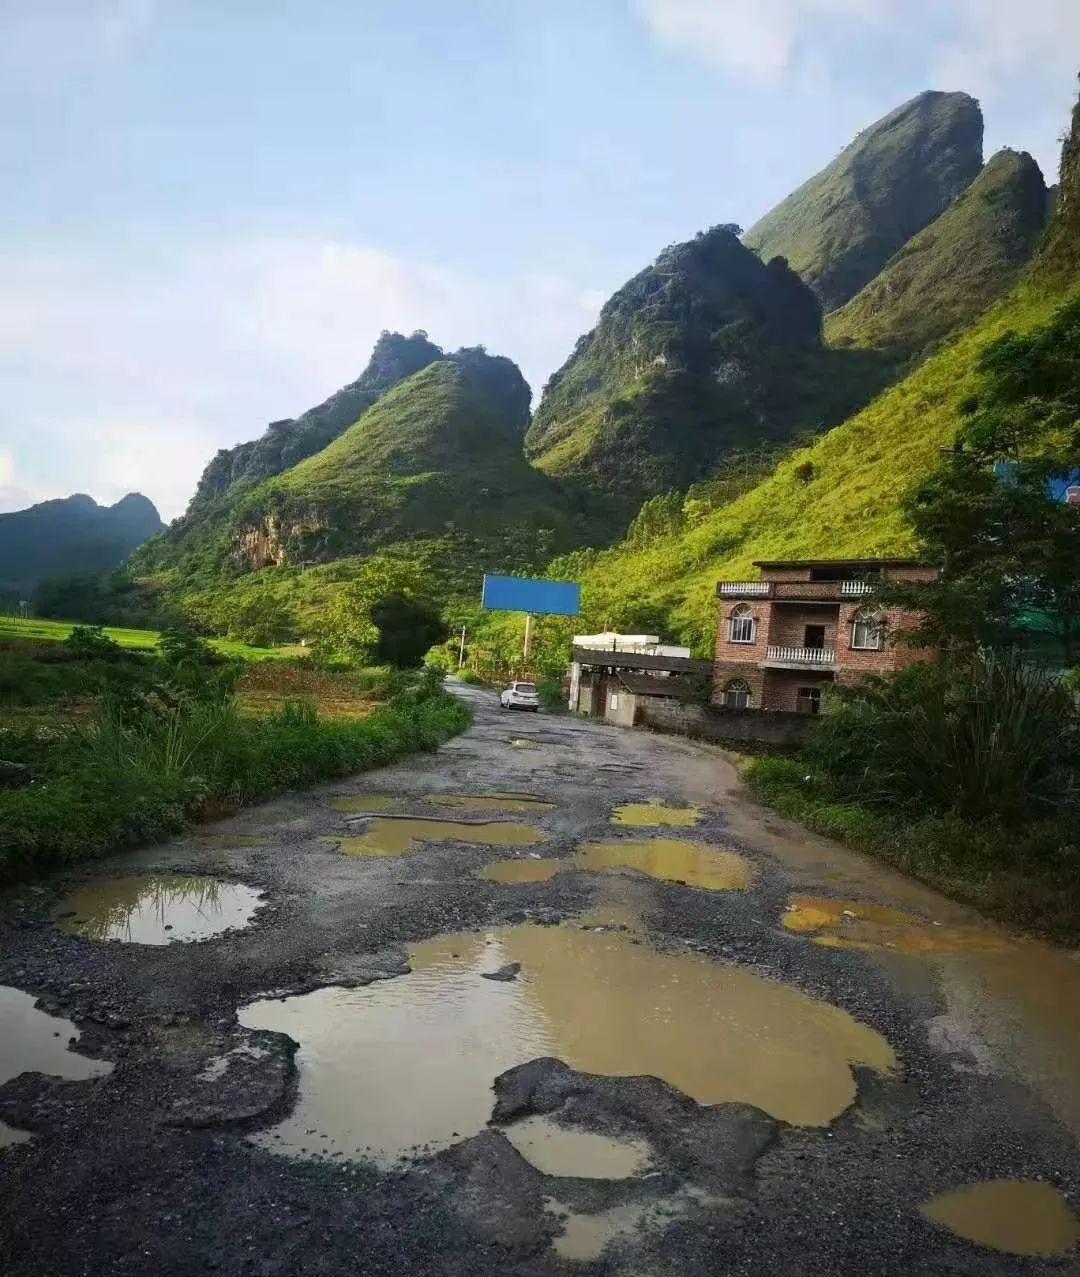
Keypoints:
(558, 999)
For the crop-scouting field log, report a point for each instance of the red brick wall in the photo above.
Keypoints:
(789, 622)
(781, 686)
(892, 656)
(752, 675)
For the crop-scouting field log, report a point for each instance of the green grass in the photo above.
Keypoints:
(1027, 878)
(42, 631)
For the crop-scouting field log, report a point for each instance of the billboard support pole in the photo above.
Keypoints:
(527, 649)
(461, 649)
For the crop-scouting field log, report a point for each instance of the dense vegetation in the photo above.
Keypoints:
(706, 351)
(946, 276)
(841, 227)
(127, 748)
(70, 535)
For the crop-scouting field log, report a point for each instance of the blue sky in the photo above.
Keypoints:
(211, 208)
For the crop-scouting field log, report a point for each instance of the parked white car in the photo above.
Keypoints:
(520, 696)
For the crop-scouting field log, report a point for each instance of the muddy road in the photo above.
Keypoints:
(558, 999)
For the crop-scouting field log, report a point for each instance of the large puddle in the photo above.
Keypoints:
(1023, 1217)
(670, 860)
(490, 802)
(569, 1151)
(645, 814)
(389, 836)
(366, 802)
(516, 871)
(850, 924)
(156, 908)
(33, 1042)
(407, 1064)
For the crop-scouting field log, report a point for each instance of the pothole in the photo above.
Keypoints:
(850, 924)
(389, 836)
(31, 1041)
(571, 1151)
(654, 813)
(366, 802)
(1021, 1217)
(156, 909)
(407, 1065)
(490, 802)
(525, 870)
(670, 860)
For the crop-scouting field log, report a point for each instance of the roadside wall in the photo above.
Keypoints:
(771, 729)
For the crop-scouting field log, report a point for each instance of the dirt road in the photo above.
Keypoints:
(558, 999)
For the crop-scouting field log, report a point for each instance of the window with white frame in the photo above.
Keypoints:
(742, 626)
(867, 630)
(736, 694)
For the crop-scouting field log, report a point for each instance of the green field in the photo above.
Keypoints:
(40, 631)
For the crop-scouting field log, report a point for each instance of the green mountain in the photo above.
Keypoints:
(945, 276)
(432, 471)
(287, 442)
(707, 350)
(841, 227)
(842, 496)
(73, 534)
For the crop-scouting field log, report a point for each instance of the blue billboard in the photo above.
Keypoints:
(523, 594)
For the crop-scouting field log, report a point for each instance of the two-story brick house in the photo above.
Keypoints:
(804, 625)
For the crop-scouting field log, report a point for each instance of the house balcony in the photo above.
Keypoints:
(800, 658)
(795, 591)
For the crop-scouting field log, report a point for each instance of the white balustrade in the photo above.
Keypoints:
(802, 655)
(852, 589)
(745, 587)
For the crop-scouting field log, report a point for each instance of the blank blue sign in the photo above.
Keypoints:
(522, 594)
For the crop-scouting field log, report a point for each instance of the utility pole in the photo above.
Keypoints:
(461, 649)
(527, 650)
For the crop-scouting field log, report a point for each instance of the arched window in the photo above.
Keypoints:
(736, 694)
(867, 630)
(742, 626)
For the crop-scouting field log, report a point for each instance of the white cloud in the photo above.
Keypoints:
(128, 369)
(759, 39)
(51, 41)
(997, 37)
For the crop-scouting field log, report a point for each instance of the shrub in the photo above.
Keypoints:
(91, 642)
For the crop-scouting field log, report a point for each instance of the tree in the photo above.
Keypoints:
(393, 588)
(407, 628)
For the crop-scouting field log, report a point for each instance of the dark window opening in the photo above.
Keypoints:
(814, 636)
(808, 700)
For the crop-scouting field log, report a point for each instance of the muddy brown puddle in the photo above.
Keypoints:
(851, 924)
(33, 1042)
(654, 813)
(1022, 1217)
(407, 1064)
(563, 1151)
(393, 836)
(670, 860)
(156, 909)
(528, 870)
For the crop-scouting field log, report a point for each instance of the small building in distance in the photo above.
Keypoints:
(804, 625)
(613, 676)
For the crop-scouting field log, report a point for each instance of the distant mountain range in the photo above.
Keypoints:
(72, 534)
(726, 342)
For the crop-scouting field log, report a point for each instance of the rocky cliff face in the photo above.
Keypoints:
(944, 277)
(841, 227)
(289, 441)
(1061, 254)
(707, 350)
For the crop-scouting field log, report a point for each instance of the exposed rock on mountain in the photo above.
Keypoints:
(72, 534)
(286, 442)
(945, 276)
(841, 227)
(707, 350)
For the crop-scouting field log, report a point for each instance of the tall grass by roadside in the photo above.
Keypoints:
(965, 776)
(136, 772)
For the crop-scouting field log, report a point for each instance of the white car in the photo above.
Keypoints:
(520, 696)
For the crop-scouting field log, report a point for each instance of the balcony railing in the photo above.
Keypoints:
(757, 589)
(812, 656)
(795, 591)
(853, 589)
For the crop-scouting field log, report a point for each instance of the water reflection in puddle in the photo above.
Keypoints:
(586, 1237)
(514, 871)
(387, 836)
(850, 924)
(569, 1151)
(670, 860)
(655, 814)
(156, 908)
(1022, 1217)
(408, 1063)
(32, 1041)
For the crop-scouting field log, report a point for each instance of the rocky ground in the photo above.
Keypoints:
(159, 1166)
